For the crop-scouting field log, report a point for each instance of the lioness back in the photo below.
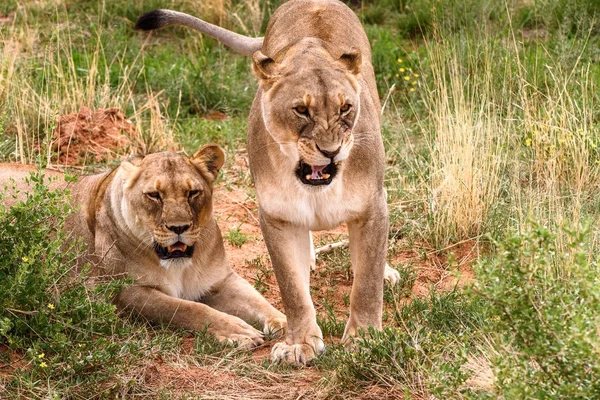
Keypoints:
(329, 20)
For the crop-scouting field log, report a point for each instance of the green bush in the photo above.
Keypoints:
(423, 354)
(543, 308)
(62, 327)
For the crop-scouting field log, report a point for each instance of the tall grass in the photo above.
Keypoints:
(557, 167)
(503, 144)
(40, 83)
(466, 136)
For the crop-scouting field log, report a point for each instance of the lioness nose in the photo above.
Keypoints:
(178, 229)
(329, 154)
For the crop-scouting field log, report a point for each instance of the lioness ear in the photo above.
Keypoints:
(352, 60)
(209, 159)
(263, 66)
(130, 172)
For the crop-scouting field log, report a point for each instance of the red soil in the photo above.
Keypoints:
(92, 136)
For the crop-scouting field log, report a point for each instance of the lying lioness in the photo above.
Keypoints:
(151, 219)
(316, 155)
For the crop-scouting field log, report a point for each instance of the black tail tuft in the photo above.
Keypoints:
(151, 20)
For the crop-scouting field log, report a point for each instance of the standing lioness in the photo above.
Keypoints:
(151, 219)
(316, 154)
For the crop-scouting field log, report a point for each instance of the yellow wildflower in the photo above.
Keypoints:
(25, 259)
(402, 70)
(528, 142)
(407, 78)
(396, 75)
(412, 89)
(416, 75)
(413, 83)
(51, 306)
(399, 60)
(41, 355)
(43, 364)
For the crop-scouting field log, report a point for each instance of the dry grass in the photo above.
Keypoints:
(465, 134)
(467, 160)
(67, 88)
(557, 169)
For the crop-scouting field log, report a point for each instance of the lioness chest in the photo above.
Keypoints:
(312, 208)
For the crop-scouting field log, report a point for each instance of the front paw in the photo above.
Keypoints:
(391, 275)
(275, 325)
(235, 331)
(299, 353)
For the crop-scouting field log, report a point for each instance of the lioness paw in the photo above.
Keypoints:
(391, 275)
(300, 354)
(275, 326)
(238, 332)
(242, 341)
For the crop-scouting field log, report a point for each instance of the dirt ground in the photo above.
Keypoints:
(91, 136)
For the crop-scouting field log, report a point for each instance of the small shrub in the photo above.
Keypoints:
(424, 354)
(542, 311)
(61, 326)
(408, 277)
(263, 273)
(328, 322)
(236, 237)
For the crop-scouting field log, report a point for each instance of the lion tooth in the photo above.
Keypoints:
(337, 163)
(308, 176)
(325, 176)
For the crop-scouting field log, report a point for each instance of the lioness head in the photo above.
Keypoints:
(167, 199)
(310, 103)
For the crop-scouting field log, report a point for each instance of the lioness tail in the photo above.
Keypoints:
(158, 18)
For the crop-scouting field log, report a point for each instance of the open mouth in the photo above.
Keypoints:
(176, 250)
(316, 174)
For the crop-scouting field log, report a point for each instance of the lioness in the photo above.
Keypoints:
(151, 219)
(316, 155)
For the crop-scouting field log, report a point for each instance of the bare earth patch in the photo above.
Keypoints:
(92, 136)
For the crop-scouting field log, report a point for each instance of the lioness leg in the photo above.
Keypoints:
(157, 306)
(368, 250)
(313, 254)
(391, 275)
(289, 249)
(235, 296)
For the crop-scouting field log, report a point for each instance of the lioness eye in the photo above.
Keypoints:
(193, 193)
(301, 110)
(345, 108)
(153, 195)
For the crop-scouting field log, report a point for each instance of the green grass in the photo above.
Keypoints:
(263, 273)
(500, 130)
(236, 237)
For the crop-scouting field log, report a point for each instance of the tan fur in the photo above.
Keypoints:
(316, 56)
(120, 224)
